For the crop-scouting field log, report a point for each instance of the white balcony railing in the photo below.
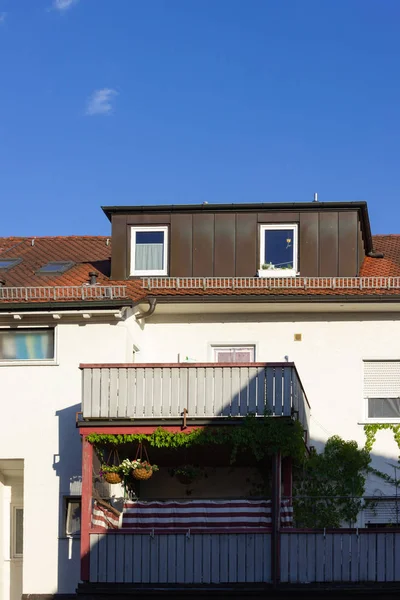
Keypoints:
(203, 390)
(297, 283)
(63, 292)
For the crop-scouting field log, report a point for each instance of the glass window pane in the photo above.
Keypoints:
(225, 356)
(56, 267)
(8, 263)
(27, 345)
(243, 356)
(279, 248)
(234, 355)
(149, 237)
(73, 525)
(384, 408)
(149, 251)
(19, 531)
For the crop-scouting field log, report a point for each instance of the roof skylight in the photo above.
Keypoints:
(9, 263)
(55, 267)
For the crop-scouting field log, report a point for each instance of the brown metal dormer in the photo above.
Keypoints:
(223, 240)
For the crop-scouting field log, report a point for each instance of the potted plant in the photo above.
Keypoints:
(271, 270)
(140, 469)
(111, 473)
(186, 474)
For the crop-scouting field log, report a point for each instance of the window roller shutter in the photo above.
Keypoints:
(385, 511)
(382, 379)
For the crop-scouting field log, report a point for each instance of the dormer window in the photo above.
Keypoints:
(278, 250)
(149, 251)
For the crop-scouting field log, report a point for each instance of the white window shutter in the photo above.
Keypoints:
(383, 511)
(381, 379)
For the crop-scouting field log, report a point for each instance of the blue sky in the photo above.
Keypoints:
(182, 101)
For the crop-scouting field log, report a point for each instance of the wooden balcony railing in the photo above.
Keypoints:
(205, 390)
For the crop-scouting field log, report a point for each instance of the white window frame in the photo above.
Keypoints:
(366, 418)
(14, 553)
(228, 347)
(68, 500)
(34, 362)
(278, 272)
(139, 228)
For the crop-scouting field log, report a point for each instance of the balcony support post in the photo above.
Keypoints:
(86, 507)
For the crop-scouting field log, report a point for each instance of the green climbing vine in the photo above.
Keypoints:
(329, 486)
(260, 436)
(370, 431)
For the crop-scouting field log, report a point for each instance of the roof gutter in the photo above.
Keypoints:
(376, 254)
(366, 230)
(152, 307)
(86, 305)
(240, 207)
(57, 314)
(259, 298)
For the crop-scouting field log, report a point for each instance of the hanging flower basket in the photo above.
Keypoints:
(142, 469)
(184, 479)
(111, 477)
(110, 470)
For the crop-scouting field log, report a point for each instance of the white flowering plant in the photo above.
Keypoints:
(128, 465)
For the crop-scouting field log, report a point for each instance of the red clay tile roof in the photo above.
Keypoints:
(93, 253)
(389, 266)
(88, 253)
(7, 243)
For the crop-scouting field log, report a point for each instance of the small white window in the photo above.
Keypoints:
(382, 390)
(234, 354)
(26, 345)
(17, 532)
(149, 251)
(73, 516)
(278, 250)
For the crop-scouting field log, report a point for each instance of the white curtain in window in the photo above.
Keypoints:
(234, 355)
(384, 408)
(225, 356)
(149, 257)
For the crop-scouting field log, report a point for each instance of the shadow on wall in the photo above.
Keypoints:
(68, 467)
